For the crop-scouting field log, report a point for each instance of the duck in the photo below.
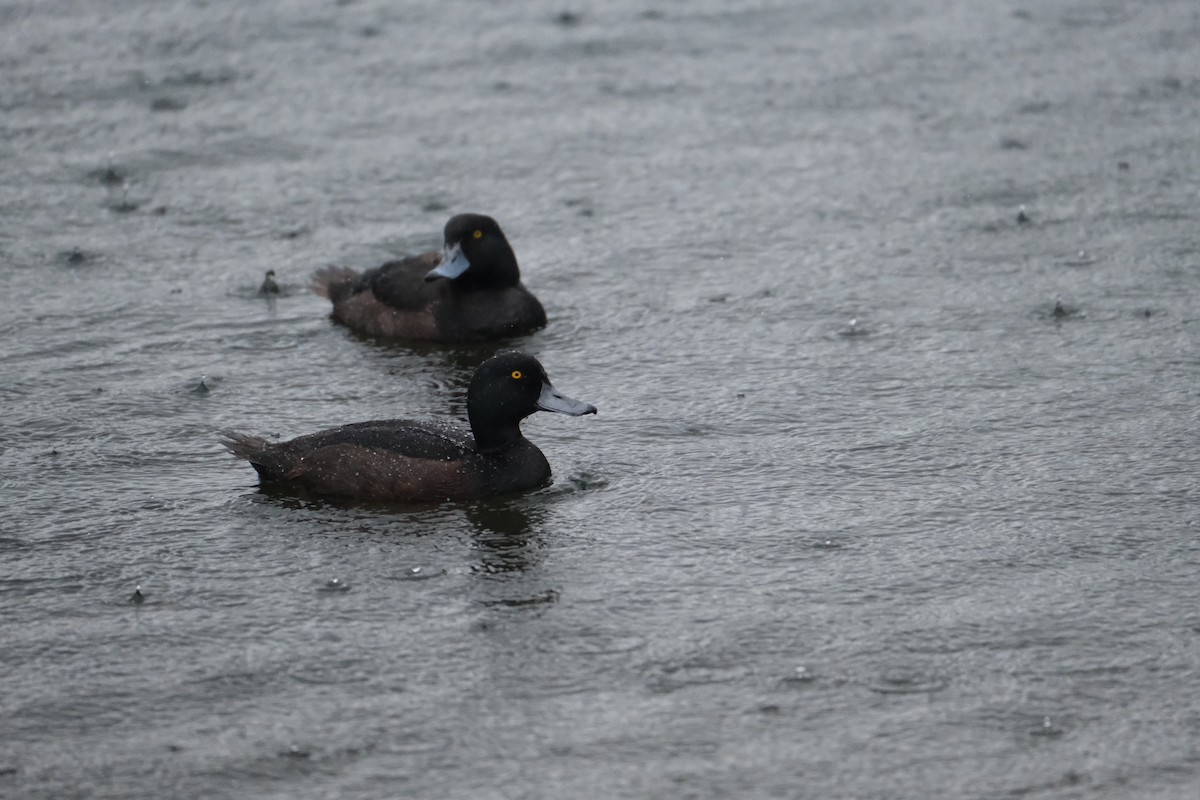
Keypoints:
(470, 291)
(417, 461)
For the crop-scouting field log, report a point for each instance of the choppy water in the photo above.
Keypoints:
(946, 550)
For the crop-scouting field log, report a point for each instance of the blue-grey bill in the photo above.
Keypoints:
(553, 400)
(453, 264)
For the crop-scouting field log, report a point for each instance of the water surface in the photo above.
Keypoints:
(861, 515)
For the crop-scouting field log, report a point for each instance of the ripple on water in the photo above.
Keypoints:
(672, 676)
(543, 598)
(575, 483)
(76, 257)
(334, 586)
(892, 466)
(904, 682)
(592, 643)
(338, 669)
(418, 574)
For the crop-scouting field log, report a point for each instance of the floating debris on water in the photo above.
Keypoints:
(269, 286)
(420, 574)
(853, 329)
(167, 104)
(124, 205)
(908, 684)
(1081, 259)
(801, 676)
(1064, 311)
(1047, 728)
(335, 585)
(110, 174)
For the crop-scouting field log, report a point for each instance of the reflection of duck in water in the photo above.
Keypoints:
(406, 460)
(504, 533)
(500, 523)
(469, 292)
(269, 286)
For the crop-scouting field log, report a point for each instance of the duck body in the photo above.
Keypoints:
(470, 291)
(406, 460)
(393, 460)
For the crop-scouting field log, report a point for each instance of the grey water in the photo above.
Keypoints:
(862, 514)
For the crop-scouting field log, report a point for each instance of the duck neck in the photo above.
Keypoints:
(501, 273)
(491, 437)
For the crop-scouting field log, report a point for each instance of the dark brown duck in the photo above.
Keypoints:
(405, 460)
(471, 291)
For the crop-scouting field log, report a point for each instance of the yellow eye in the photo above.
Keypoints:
(517, 375)
(477, 234)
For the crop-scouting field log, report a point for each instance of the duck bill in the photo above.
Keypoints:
(453, 264)
(553, 400)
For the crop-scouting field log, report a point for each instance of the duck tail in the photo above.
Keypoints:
(243, 445)
(336, 283)
(270, 461)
